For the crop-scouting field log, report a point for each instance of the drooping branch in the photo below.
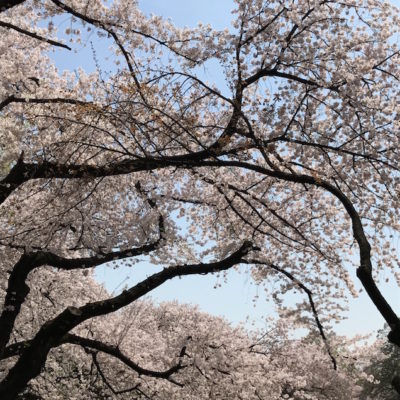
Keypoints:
(34, 357)
(310, 300)
(33, 35)
(364, 271)
(100, 24)
(104, 378)
(336, 149)
(117, 353)
(108, 28)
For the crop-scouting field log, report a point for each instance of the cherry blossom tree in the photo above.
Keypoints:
(383, 364)
(174, 351)
(291, 168)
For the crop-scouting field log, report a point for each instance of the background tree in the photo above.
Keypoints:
(176, 352)
(383, 365)
(288, 168)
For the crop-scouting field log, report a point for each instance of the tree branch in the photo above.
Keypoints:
(279, 74)
(7, 4)
(34, 357)
(116, 352)
(17, 289)
(23, 172)
(17, 349)
(56, 100)
(310, 300)
(33, 35)
(106, 26)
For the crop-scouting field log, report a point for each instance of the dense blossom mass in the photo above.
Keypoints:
(291, 167)
(175, 352)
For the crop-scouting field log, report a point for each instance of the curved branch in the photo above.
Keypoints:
(102, 25)
(105, 380)
(286, 75)
(17, 289)
(16, 349)
(33, 35)
(23, 172)
(336, 149)
(116, 352)
(106, 26)
(310, 300)
(34, 357)
(278, 74)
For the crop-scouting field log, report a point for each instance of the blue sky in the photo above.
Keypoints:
(234, 300)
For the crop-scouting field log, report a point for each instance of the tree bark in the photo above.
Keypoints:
(7, 4)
